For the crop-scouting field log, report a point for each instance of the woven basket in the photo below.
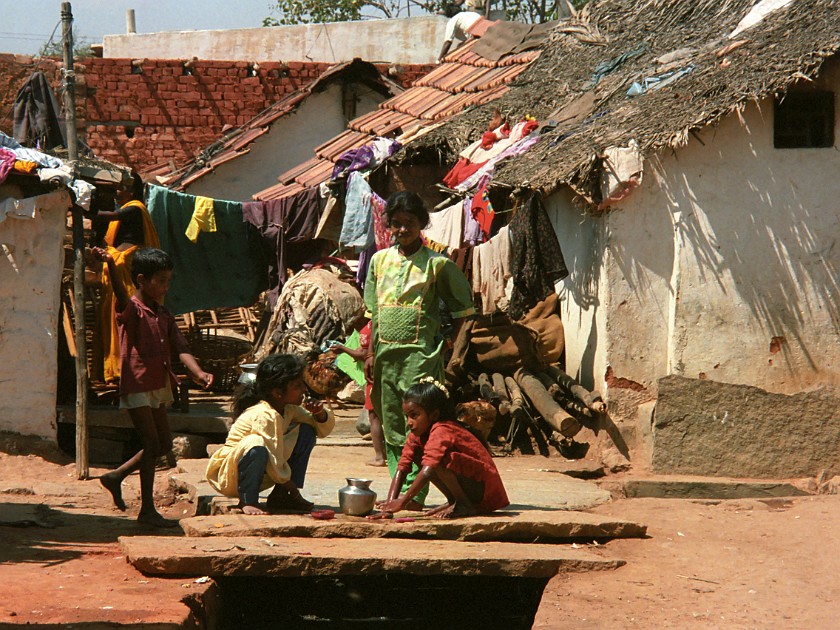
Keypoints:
(220, 355)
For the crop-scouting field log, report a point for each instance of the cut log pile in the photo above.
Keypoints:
(550, 405)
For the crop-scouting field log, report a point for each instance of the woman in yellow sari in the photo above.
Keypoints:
(129, 229)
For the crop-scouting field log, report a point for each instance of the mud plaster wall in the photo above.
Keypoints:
(29, 308)
(160, 114)
(724, 266)
(582, 294)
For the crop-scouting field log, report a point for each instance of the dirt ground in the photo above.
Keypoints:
(734, 564)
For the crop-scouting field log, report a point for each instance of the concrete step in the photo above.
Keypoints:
(322, 557)
(526, 526)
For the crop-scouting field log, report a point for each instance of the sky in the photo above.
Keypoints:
(25, 30)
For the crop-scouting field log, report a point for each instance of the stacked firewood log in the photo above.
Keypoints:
(525, 397)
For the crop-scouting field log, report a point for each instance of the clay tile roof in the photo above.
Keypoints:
(790, 46)
(350, 139)
(289, 176)
(236, 142)
(462, 80)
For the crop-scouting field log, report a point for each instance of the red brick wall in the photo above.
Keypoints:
(161, 114)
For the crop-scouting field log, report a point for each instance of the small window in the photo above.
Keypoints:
(804, 120)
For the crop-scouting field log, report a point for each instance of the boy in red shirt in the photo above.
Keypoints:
(148, 335)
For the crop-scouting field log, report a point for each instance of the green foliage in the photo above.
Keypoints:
(55, 47)
(537, 11)
(322, 11)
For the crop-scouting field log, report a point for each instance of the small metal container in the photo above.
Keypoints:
(249, 373)
(356, 498)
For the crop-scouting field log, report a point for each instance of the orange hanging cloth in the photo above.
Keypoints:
(107, 304)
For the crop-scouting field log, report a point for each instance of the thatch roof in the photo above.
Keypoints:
(787, 46)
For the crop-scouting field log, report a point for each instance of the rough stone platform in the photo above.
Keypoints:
(532, 483)
(301, 557)
(543, 526)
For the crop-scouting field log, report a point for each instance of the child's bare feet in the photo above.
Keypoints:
(456, 510)
(252, 510)
(154, 519)
(414, 506)
(114, 486)
(376, 463)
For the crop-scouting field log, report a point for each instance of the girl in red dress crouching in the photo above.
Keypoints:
(449, 456)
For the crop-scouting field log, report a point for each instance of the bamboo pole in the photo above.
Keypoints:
(82, 465)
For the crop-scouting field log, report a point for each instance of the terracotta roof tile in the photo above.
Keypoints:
(315, 175)
(350, 139)
(437, 76)
(289, 176)
(278, 191)
(480, 27)
(463, 80)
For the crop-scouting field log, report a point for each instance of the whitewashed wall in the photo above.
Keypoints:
(724, 264)
(581, 239)
(29, 317)
(289, 142)
(726, 247)
(399, 40)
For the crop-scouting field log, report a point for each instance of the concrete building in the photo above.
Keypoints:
(415, 40)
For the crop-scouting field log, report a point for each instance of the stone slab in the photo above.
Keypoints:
(528, 488)
(708, 489)
(501, 526)
(301, 557)
(702, 427)
(198, 420)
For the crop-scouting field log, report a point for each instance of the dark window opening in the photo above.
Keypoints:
(804, 120)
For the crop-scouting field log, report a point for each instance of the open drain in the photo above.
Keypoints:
(392, 601)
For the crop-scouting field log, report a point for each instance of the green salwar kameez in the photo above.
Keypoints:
(402, 294)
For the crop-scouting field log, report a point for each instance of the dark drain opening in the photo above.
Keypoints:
(394, 601)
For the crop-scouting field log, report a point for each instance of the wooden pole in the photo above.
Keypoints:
(502, 393)
(82, 466)
(545, 405)
(590, 399)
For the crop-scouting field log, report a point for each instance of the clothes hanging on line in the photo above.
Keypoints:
(447, 226)
(472, 229)
(491, 271)
(225, 268)
(287, 227)
(7, 163)
(203, 218)
(381, 231)
(536, 261)
(357, 228)
(482, 209)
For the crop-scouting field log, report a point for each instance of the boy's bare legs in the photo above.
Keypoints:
(377, 436)
(457, 502)
(153, 427)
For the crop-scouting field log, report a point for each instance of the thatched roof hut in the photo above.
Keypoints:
(788, 45)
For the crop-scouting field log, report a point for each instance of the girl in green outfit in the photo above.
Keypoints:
(402, 293)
